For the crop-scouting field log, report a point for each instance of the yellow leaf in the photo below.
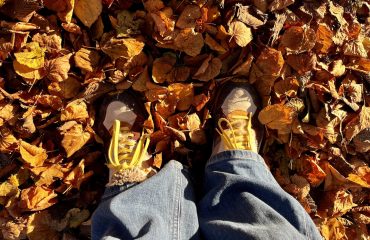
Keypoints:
(184, 94)
(8, 143)
(74, 137)
(77, 176)
(37, 198)
(87, 59)
(28, 73)
(31, 154)
(88, 11)
(162, 68)
(76, 110)
(32, 56)
(7, 189)
(124, 47)
(277, 116)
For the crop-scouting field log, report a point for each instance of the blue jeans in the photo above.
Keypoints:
(241, 200)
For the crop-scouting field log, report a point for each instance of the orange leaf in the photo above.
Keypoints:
(37, 198)
(34, 156)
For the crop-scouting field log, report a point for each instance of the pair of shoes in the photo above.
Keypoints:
(122, 117)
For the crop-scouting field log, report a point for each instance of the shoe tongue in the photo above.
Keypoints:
(238, 99)
(117, 110)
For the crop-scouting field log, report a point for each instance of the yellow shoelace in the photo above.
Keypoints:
(125, 152)
(236, 133)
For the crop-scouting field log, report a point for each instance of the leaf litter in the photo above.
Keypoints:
(308, 60)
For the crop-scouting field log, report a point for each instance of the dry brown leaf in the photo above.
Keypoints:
(250, 16)
(189, 42)
(333, 229)
(48, 175)
(355, 48)
(69, 88)
(279, 4)
(87, 59)
(88, 11)
(303, 62)
(323, 39)
(42, 224)
(72, 28)
(77, 176)
(76, 110)
(51, 42)
(37, 198)
(153, 5)
(214, 45)
(198, 137)
(8, 143)
(298, 39)
(74, 137)
(164, 23)
(31, 154)
(50, 101)
(240, 33)
(209, 69)
(288, 86)
(64, 8)
(162, 68)
(126, 48)
(184, 94)
(358, 124)
(188, 17)
(277, 116)
(57, 69)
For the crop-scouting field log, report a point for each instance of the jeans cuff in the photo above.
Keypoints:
(235, 154)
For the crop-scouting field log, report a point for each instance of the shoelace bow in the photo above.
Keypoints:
(125, 152)
(236, 135)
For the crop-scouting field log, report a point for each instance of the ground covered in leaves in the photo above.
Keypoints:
(309, 61)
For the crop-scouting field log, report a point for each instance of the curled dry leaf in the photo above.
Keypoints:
(184, 94)
(64, 8)
(125, 47)
(214, 45)
(240, 33)
(279, 4)
(358, 124)
(37, 198)
(298, 39)
(69, 88)
(189, 41)
(323, 39)
(209, 69)
(76, 110)
(87, 59)
(77, 176)
(51, 42)
(31, 154)
(189, 16)
(162, 68)
(30, 74)
(8, 143)
(277, 116)
(57, 69)
(88, 11)
(74, 137)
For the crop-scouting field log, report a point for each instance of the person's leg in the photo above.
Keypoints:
(135, 206)
(243, 201)
(161, 207)
(241, 198)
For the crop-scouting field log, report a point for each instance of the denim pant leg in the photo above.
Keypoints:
(242, 200)
(162, 207)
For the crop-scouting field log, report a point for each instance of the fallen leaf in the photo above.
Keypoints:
(88, 11)
(37, 198)
(77, 216)
(189, 42)
(214, 45)
(64, 8)
(188, 17)
(153, 5)
(77, 176)
(298, 39)
(30, 74)
(31, 154)
(358, 124)
(57, 69)
(323, 39)
(209, 69)
(69, 88)
(76, 110)
(51, 42)
(72, 28)
(32, 56)
(127, 24)
(42, 224)
(279, 4)
(162, 68)
(277, 116)
(8, 143)
(74, 137)
(240, 33)
(184, 94)
(125, 47)
(87, 59)
(48, 174)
